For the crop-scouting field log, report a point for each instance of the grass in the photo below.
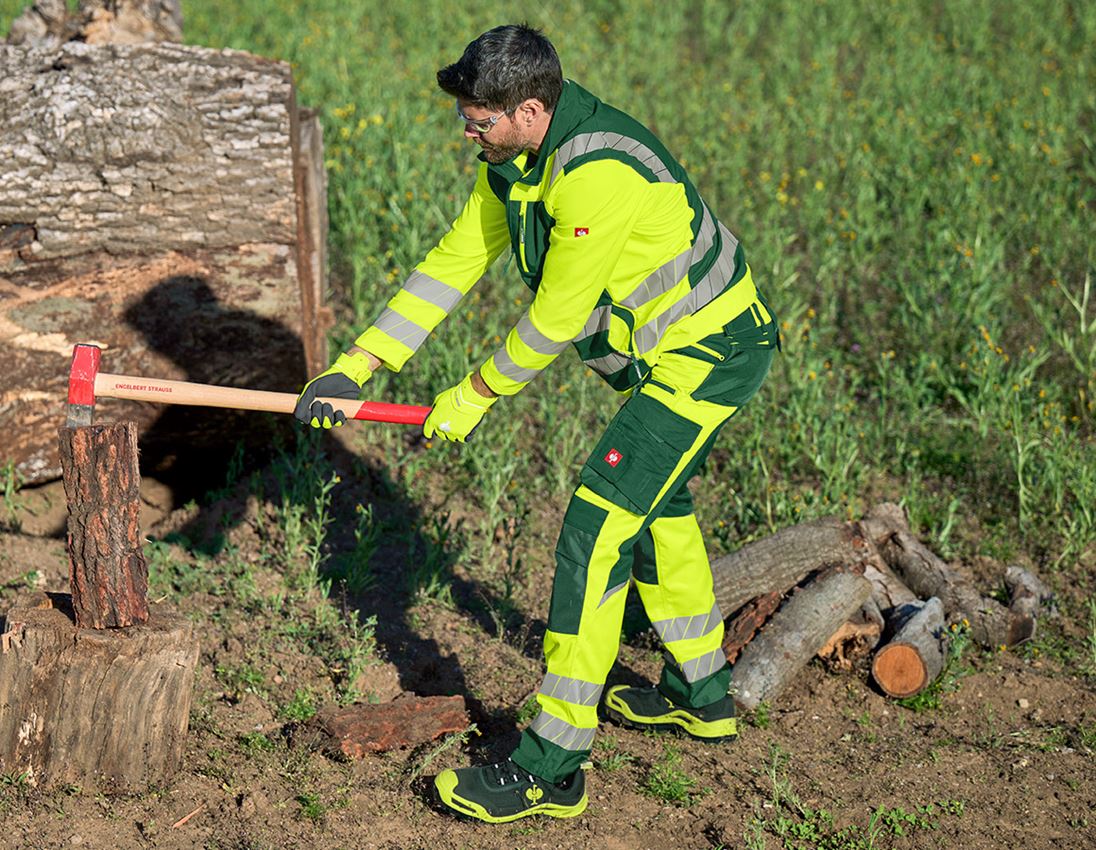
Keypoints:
(797, 826)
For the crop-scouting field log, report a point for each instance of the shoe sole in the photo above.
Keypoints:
(674, 721)
(469, 809)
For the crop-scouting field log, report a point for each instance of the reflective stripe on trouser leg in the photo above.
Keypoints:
(593, 567)
(677, 595)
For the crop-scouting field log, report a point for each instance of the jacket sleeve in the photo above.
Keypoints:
(595, 208)
(439, 282)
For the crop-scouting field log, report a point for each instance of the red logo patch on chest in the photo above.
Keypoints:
(614, 457)
(581, 231)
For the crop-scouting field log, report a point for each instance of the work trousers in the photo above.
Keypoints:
(631, 519)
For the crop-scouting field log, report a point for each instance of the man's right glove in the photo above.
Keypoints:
(344, 379)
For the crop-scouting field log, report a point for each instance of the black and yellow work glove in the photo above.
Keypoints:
(343, 379)
(457, 412)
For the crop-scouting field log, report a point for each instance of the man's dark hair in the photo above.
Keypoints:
(503, 68)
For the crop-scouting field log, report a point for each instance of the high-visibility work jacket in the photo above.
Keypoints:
(624, 257)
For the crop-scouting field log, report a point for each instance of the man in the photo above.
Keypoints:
(629, 265)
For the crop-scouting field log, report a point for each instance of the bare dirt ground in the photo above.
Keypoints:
(1007, 760)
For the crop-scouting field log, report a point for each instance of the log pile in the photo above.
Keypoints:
(844, 591)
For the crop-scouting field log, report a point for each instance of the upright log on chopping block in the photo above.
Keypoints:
(102, 486)
(95, 688)
(794, 634)
(912, 661)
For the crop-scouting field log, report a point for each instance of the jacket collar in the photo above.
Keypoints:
(575, 106)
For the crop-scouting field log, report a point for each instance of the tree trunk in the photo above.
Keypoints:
(105, 710)
(779, 562)
(165, 225)
(102, 487)
(912, 661)
(795, 634)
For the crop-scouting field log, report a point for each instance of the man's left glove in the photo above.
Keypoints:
(457, 412)
(343, 379)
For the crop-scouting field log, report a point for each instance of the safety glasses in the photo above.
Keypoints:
(482, 125)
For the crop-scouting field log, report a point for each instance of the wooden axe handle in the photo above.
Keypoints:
(206, 395)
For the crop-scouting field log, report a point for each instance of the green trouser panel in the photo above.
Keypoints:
(632, 513)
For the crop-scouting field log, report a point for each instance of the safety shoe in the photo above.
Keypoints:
(502, 792)
(647, 708)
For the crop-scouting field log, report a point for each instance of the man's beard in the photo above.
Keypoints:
(502, 150)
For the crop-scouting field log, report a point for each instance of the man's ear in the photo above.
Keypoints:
(529, 110)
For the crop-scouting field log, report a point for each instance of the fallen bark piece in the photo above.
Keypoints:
(912, 661)
(795, 634)
(406, 721)
(103, 490)
(741, 627)
(103, 709)
(778, 563)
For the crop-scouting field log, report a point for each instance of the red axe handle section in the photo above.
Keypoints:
(206, 395)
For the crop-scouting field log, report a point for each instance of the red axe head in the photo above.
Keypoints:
(81, 397)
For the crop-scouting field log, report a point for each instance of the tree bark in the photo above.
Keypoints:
(106, 710)
(102, 486)
(912, 661)
(741, 628)
(795, 634)
(779, 562)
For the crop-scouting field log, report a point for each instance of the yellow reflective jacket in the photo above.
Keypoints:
(624, 257)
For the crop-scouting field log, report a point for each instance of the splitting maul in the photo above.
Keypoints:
(86, 383)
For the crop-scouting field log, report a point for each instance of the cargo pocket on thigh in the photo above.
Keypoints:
(737, 379)
(638, 453)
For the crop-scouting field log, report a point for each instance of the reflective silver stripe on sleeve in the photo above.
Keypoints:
(647, 336)
(704, 666)
(574, 691)
(612, 591)
(537, 341)
(563, 734)
(609, 364)
(586, 142)
(687, 628)
(598, 321)
(670, 274)
(433, 291)
(509, 369)
(401, 329)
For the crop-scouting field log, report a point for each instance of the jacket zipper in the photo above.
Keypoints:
(521, 236)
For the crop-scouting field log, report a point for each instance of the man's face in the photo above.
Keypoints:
(502, 141)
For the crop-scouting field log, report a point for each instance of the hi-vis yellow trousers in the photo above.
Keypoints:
(632, 519)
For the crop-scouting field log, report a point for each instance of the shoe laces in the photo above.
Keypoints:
(505, 773)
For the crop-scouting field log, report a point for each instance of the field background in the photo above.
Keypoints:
(914, 185)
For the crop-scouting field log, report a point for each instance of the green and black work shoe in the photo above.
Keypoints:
(647, 708)
(502, 792)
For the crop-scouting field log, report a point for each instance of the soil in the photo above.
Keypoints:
(1005, 761)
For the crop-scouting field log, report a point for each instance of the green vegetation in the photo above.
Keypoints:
(667, 782)
(947, 682)
(797, 826)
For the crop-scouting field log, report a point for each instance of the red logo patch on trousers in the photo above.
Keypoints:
(582, 231)
(614, 457)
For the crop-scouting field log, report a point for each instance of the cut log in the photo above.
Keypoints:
(854, 639)
(795, 634)
(912, 661)
(746, 622)
(164, 225)
(104, 709)
(1028, 596)
(777, 563)
(103, 489)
